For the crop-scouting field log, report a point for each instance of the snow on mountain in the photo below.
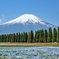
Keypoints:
(26, 18)
(24, 23)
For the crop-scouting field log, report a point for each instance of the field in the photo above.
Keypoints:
(8, 44)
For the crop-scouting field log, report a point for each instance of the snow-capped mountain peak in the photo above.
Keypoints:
(24, 23)
(26, 18)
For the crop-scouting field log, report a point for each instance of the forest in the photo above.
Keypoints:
(43, 35)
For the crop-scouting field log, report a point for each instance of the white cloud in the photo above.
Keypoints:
(2, 19)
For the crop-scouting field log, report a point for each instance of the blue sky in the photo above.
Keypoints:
(47, 10)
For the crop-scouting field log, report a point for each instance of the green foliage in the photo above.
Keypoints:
(39, 36)
(58, 35)
(45, 35)
(50, 35)
(54, 35)
(30, 36)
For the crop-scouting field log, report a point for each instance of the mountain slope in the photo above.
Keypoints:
(25, 18)
(24, 23)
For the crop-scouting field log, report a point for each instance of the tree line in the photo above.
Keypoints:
(43, 35)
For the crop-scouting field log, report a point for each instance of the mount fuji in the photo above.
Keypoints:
(24, 23)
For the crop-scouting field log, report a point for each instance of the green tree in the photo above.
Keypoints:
(26, 37)
(50, 35)
(31, 36)
(45, 35)
(19, 37)
(16, 37)
(58, 35)
(41, 35)
(37, 36)
(54, 35)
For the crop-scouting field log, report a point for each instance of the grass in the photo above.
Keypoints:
(36, 44)
(17, 45)
(53, 44)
